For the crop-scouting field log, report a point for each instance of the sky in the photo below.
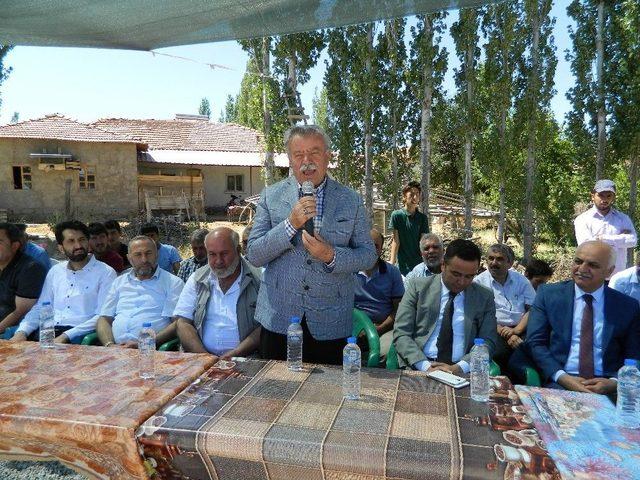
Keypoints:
(86, 83)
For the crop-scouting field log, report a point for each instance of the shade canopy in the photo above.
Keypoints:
(151, 24)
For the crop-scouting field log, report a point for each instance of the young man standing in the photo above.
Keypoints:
(114, 233)
(408, 225)
(168, 256)
(605, 223)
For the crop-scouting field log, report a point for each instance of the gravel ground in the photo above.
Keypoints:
(37, 471)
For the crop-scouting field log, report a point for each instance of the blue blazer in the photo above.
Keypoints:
(294, 283)
(550, 323)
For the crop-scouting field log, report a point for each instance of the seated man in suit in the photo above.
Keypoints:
(216, 309)
(580, 331)
(440, 315)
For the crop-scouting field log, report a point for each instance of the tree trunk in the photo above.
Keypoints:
(533, 89)
(425, 120)
(502, 141)
(390, 34)
(633, 192)
(602, 134)
(266, 115)
(368, 140)
(468, 143)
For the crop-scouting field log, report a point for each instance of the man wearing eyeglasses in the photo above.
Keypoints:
(513, 295)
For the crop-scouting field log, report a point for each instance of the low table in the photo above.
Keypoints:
(81, 405)
(258, 420)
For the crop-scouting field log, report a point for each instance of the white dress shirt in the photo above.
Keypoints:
(627, 282)
(131, 302)
(431, 349)
(220, 327)
(591, 224)
(76, 297)
(511, 297)
(573, 359)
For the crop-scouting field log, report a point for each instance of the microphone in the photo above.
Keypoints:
(308, 191)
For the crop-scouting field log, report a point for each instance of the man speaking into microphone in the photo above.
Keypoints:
(311, 234)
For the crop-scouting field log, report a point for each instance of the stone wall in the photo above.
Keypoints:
(115, 194)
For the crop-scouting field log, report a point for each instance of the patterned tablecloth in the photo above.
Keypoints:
(82, 405)
(583, 434)
(261, 421)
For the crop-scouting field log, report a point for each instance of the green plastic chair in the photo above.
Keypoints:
(532, 377)
(392, 362)
(90, 339)
(362, 323)
(170, 346)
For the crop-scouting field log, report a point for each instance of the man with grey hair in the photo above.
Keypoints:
(199, 258)
(215, 312)
(581, 331)
(144, 294)
(310, 246)
(513, 295)
(432, 252)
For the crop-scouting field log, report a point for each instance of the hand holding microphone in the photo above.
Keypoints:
(304, 211)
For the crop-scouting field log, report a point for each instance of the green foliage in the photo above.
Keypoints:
(230, 112)
(320, 113)
(205, 108)
(4, 70)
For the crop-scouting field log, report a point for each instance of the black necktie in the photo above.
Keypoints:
(445, 338)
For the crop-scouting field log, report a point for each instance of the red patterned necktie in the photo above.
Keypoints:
(585, 359)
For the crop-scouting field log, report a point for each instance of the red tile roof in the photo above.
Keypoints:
(195, 135)
(58, 127)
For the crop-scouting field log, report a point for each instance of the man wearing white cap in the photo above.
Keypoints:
(605, 223)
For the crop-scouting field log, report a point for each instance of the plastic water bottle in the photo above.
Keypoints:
(146, 351)
(47, 324)
(480, 371)
(628, 405)
(294, 344)
(351, 363)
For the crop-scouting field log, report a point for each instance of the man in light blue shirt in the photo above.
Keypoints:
(36, 252)
(378, 291)
(168, 256)
(145, 294)
(432, 251)
(628, 281)
(513, 295)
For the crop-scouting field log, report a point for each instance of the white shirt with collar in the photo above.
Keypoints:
(131, 302)
(573, 359)
(76, 297)
(511, 297)
(431, 349)
(592, 224)
(220, 328)
(627, 282)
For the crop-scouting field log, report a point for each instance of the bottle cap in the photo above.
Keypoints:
(478, 341)
(630, 362)
(294, 320)
(146, 325)
(351, 340)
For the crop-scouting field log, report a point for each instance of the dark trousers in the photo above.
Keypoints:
(57, 330)
(273, 346)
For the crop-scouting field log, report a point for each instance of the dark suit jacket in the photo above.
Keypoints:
(550, 323)
(419, 310)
